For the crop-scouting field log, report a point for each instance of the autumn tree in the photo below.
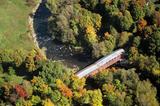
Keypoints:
(39, 86)
(64, 89)
(141, 24)
(29, 62)
(59, 99)
(47, 102)
(90, 36)
(77, 84)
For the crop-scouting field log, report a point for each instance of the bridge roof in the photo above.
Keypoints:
(99, 63)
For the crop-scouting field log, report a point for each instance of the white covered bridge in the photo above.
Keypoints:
(101, 64)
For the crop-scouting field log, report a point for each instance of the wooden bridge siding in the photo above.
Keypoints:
(118, 58)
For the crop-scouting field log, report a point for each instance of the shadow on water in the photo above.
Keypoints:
(54, 50)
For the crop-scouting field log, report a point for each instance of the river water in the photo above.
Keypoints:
(54, 49)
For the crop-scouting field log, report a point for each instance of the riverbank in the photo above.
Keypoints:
(31, 24)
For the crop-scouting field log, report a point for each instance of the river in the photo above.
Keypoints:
(55, 50)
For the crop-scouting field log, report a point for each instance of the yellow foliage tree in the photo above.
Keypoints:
(48, 102)
(91, 36)
(156, 72)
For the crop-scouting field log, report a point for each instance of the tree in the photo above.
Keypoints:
(47, 102)
(39, 86)
(35, 100)
(146, 94)
(148, 30)
(133, 54)
(136, 41)
(149, 9)
(141, 24)
(154, 44)
(124, 39)
(104, 47)
(125, 21)
(90, 36)
(148, 63)
(156, 18)
(127, 77)
(73, 24)
(99, 50)
(92, 97)
(64, 89)
(103, 77)
(109, 92)
(56, 69)
(77, 84)
(90, 4)
(60, 100)
(113, 95)
(29, 61)
(21, 91)
(28, 87)
(137, 10)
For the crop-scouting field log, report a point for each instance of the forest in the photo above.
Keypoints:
(95, 28)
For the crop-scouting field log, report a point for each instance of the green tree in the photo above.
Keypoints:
(124, 39)
(147, 63)
(137, 11)
(92, 97)
(77, 84)
(136, 41)
(35, 100)
(56, 69)
(39, 86)
(90, 4)
(99, 49)
(150, 8)
(103, 48)
(146, 94)
(60, 100)
(103, 77)
(125, 21)
(154, 44)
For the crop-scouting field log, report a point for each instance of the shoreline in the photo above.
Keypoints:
(31, 24)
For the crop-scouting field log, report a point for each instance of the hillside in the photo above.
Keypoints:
(14, 24)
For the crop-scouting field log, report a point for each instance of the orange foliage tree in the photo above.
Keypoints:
(64, 89)
(141, 24)
(21, 91)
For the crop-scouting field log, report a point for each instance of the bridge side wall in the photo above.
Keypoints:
(101, 64)
(111, 62)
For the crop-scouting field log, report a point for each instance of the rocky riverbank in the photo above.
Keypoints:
(31, 24)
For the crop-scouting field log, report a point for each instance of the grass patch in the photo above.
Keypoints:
(14, 25)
